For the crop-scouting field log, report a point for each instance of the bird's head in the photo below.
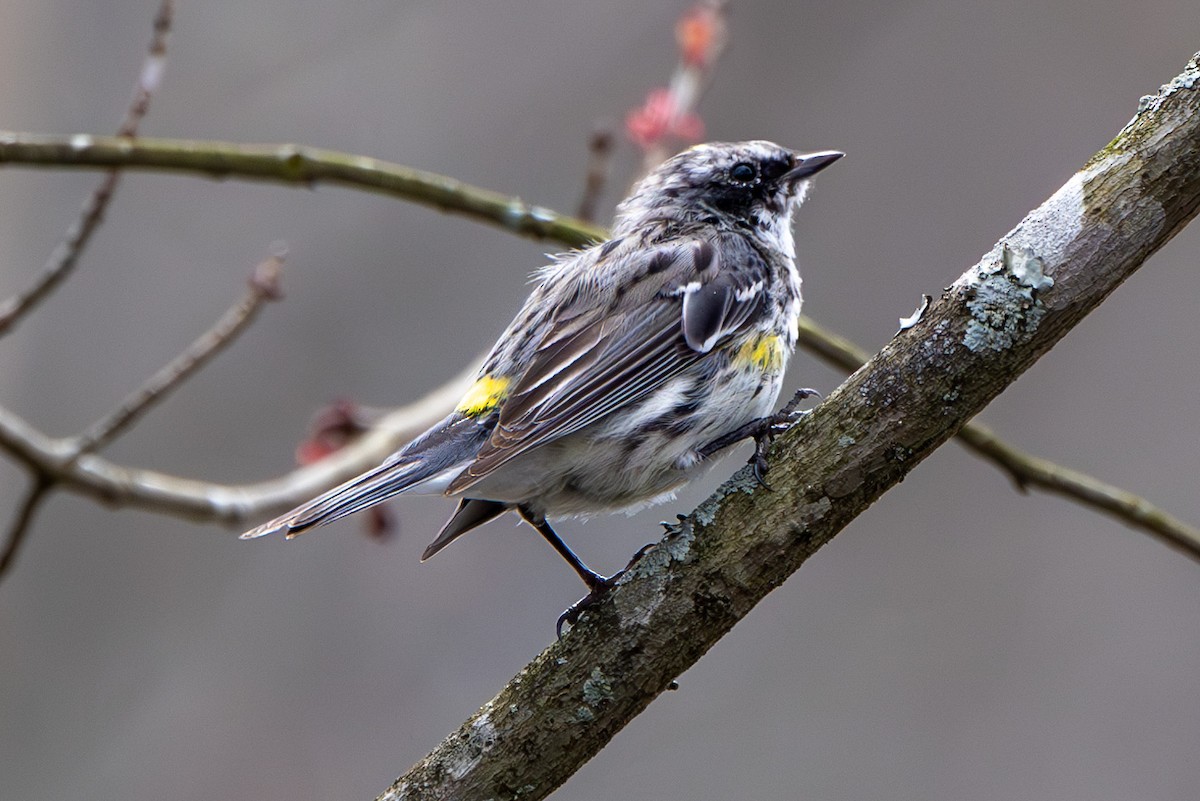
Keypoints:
(752, 185)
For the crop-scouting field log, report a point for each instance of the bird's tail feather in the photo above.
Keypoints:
(448, 446)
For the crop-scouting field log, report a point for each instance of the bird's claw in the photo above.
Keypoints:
(596, 593)
(776, 424)
(671, 529)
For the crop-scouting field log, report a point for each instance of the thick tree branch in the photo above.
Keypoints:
(237, 505)
(684, 593)
(297, 165)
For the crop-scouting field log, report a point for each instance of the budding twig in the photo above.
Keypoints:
(668, 114)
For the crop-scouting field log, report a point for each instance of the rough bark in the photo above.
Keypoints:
(683, 594)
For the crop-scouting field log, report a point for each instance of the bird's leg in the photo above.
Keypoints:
(762, 430)
(597, 584)
(591, 578)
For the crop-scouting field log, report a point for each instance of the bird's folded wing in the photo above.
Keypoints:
(593, 361)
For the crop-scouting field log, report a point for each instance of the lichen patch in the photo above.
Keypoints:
(1002, 298)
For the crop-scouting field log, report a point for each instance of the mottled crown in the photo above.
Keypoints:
(748, 184)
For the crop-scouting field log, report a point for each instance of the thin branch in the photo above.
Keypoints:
(236, 504)
(150, 78)
(684, 593)
(296, 165)
(1025, 468)
(22, 522)
(263, 286)
(66, 255)
(1029, 470)
(600, 150)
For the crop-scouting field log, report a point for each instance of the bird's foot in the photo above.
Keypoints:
(768, 428)
(596, 591)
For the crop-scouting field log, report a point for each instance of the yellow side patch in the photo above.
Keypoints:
(764, 351)
(483, 396)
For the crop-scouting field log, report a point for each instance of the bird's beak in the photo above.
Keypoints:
(809, 164)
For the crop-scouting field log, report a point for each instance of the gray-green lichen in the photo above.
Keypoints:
(597, 689)
(480, 739)
(1188, 79)
(397, 793)
(1003, 298)
(741, 481)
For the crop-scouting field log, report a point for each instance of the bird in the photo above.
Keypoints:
(632, 364)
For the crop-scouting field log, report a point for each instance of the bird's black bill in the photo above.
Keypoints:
(809, 164)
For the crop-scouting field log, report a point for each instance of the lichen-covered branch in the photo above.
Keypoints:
(237, 505)
(684, 593)
(297, 165)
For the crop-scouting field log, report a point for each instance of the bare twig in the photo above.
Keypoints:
(1024, 468)
(150, 78)
(21, 523)
(296, 165)
(235, 504)
(600, 149)
(263, 287)
(66, 255)
(1029, 470)
(54, 462)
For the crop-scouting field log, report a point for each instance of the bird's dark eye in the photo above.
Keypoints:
(743, 173)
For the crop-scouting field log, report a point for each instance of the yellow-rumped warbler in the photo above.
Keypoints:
(631, 363)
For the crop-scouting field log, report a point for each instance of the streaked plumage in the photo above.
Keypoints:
(626, 360)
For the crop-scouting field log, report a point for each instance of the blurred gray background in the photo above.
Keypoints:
(958, 641)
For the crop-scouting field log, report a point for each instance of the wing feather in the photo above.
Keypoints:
(593, 361)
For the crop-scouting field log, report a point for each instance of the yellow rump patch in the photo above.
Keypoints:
(764, 351)
(483, 396)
